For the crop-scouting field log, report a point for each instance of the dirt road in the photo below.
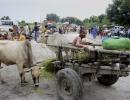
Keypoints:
(11, 90)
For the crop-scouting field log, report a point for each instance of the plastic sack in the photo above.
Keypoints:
(116, 43)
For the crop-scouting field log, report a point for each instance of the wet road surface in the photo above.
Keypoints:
(12, 90)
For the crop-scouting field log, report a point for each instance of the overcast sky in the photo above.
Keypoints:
(36, 10)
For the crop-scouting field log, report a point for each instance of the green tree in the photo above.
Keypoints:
(22, 23)
(119, 12)
(52, 17)
(5, 18)
(96, 20)
(72, 20)
(101, 18)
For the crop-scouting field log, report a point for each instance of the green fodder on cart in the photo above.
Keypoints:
(48, 65)
(83, 56)
(47, 69)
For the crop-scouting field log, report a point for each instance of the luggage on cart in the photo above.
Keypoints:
(116, 43)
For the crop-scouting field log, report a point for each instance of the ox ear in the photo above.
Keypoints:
(28, 70)
(35, 68)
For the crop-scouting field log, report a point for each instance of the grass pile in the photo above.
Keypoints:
(47, 69)
(82, 56)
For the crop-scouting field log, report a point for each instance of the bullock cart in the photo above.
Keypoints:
(106, 66)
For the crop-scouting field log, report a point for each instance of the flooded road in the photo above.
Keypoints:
(12, 90)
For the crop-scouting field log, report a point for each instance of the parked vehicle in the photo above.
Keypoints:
(5, 25)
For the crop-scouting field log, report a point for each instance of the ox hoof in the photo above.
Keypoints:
(24, 83)
(1, 67)
(3, 82)
(36, 85)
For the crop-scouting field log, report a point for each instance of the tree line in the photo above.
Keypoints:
(117, 13)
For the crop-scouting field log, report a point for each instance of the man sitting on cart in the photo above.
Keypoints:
(78, 41)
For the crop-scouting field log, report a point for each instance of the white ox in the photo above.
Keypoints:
(19, 53)
(56, 39)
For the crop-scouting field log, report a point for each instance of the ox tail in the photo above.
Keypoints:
(29, 53)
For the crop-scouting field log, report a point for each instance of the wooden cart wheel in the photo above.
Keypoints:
(69, 85)
(108, 80)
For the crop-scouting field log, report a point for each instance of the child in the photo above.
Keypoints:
(15, 36)
(22, 37)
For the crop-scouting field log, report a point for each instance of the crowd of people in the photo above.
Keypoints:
(119, 31)
(14, 34)
(20, 33)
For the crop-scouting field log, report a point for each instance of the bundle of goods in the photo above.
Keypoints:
(116, 43)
